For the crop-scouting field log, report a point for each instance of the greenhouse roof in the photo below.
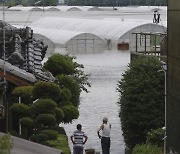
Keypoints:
(54, 8)
(128, 9)
(57, 36)
(106, 28)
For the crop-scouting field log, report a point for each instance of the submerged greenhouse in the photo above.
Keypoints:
(91, 35)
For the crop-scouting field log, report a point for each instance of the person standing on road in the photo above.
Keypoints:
(78, 139)
(105, 137)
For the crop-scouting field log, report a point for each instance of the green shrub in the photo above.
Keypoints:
(15, 133)
(61, 143)
(27, 122)
(42, 106)
(5, 144)
(141, 99)
(71, 84)
(52, 135)
(46, 119)
(25, 92)
(19, 110)
(44, 89)
(59, 114)
(58, 129)
(64, 103)
(70, 113)
(147, 149)
(60, 64)
(39, 138)
(155, 137)
(65, 95)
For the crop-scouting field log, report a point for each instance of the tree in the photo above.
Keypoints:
(44, 89)
(47, 111)
(59, 64)
(25, 94)
(71, 84)
(141, 99)
(70, 113)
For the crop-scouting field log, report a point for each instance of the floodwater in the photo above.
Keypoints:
(105, 69)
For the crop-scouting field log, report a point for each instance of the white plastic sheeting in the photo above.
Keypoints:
(74, 42)
(29, 8)
(149, 27)
(54, 8)
(104, 28)
(86, 43)
(112, 31)
(128, 9)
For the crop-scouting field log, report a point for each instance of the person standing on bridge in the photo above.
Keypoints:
(105, 137)
(78, 139)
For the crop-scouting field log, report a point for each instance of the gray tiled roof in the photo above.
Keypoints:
(17, 71)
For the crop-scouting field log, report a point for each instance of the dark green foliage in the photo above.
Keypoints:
(65, 95)
(80, 77)
(64, 65)
(64, 103)
(155, 137)
(49, 104)
(14, 133)
(46, 119)
(58, 129)
(142, 99)
(59, 64)
(39, 138)
(52, 135)
(27, 122)
(70, 113)
(25, 94)
(147, 149)
(59, 114)
(43, 106)
(117, 2)
(89, 2)
(5, 144)
(71, 84)
(31, 2)
(20, 109)
(44, 89)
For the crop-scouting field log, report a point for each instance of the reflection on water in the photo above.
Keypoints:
(105, 69)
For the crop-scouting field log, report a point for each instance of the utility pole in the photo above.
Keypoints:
(4, 73)
(164, 70)
(43, 5)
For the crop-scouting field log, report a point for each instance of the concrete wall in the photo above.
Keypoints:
(173, 80)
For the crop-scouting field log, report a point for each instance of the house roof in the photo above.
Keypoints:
(16, 75)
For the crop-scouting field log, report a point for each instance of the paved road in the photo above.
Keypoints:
(21, 146)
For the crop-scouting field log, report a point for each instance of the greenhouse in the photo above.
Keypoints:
(54, 8)
(113, 32)
(73, 42)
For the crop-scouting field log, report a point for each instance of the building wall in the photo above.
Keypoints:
(173, 78)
